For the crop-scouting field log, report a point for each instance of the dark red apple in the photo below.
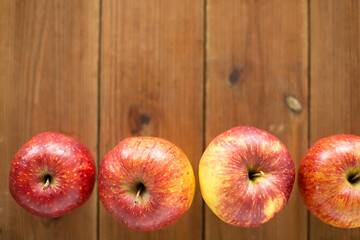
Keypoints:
(146, 183)
(52, 175)
(329, 180)
(246, 176)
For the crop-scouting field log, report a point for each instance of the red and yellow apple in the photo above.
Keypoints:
(52, 175)
(329, 180)
(246, 176)
(146, 183)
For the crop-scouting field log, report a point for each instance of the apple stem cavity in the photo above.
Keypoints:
(354, 179)
(253, 174)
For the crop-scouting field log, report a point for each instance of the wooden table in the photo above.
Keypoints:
(103, 70)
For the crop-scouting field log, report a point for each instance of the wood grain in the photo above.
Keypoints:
(152, 84)
(256, 58)
(48, 66)
(335, 83)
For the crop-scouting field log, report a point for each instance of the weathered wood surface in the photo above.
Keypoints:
(257, 57)
(335, 84)
(48, 79)
(152, 84)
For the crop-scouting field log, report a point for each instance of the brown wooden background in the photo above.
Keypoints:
(103, 70)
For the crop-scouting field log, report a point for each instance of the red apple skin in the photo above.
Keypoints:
(323, 180)
(71, 166)
(161, 167)
(226, 185)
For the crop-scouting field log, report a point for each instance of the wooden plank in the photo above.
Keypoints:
(257, 57)
(152, 84)
(335, 83)
(48, 66)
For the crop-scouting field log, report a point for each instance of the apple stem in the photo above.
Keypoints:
(355, 177)
(46, 183)
(138, 195)
(259, 174)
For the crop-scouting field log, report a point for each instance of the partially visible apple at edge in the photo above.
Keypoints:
(329, 180)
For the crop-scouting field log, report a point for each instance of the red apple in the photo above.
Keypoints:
(52, 175)
(146, 183)
(329, 180)
(246, 176)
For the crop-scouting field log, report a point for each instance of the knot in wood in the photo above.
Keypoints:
(293, 104)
